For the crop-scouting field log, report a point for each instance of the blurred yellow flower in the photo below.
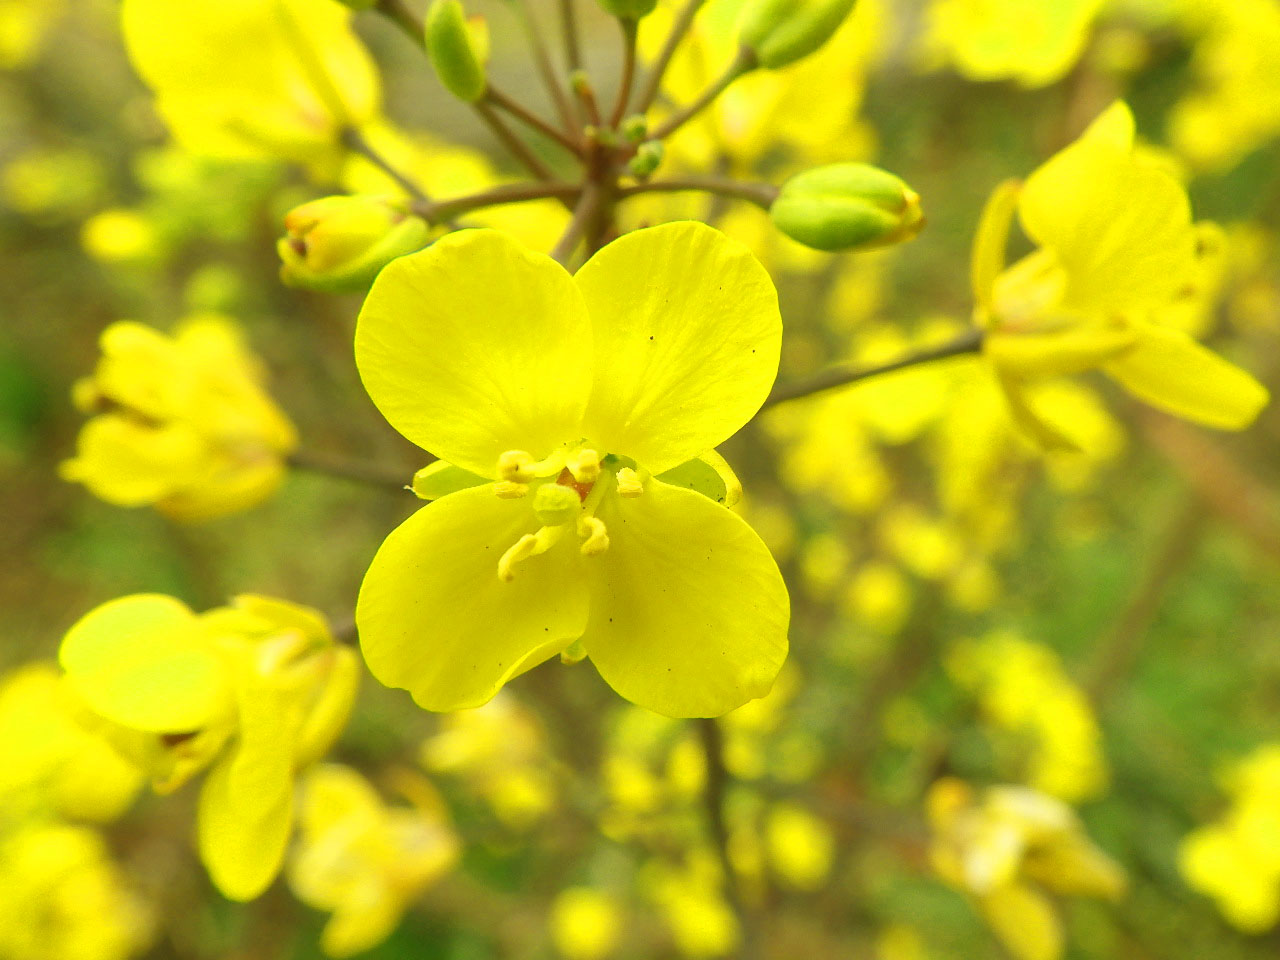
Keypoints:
(570, 419)
(1116, 253)
(362, 860)
(62, 898)
(24, 25)
(119, 235)
(180, 421)
(255, 691)
(1009, 849)
(254, 78)
(53, 754)
(1236, 859)
(585, 923)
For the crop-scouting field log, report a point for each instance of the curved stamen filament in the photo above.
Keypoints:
(530, 545)
(518, 466)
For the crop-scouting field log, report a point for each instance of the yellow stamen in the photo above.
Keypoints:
(629, 483)
(519, 466)
(510, 490)
(596, 534)
(530, 545)
(584, 464)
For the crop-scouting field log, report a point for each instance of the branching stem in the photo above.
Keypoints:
(443, 211)
(355, 141)
(653, 83)
(744, 62)
(532, 120)
(369, 474)
(761, 194)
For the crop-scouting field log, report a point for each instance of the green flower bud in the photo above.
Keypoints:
(338, 244)
(780, 32)
(628, 9)
(648, 157)
(635, 128)
(457, 49)
(847, 206)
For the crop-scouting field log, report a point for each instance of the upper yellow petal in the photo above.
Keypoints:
(687, 337)
(144, 661)
(435, 619)
(476, 346)
(689, 612)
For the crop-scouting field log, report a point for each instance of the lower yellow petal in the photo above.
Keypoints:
(435, 619)
(1169, 370)
(688, 609)
(1025, 922)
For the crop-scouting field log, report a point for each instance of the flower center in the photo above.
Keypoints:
(566, 489)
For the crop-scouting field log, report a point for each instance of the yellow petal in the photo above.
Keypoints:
(1075, 346)
(476, 346)
(1169, 370)
(687, 337)
(435, 619)
(688, 610)
(143, 661)
(130, 465)
(989, 242)
(1035, 426)
(246, 804)
(1121, 228)
(709, 475)
(1025, 922)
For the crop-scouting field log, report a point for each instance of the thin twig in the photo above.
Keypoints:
(518, 148)
(583, 214)
(546, 69)
(629, 30)
(569, 26)
(683, 21)
(761, 194)
(744, 62)
(838, 376)
(402, 17)
(444, 210)
(355, 141)
(530, 119)
(370, 474)
(713, 798)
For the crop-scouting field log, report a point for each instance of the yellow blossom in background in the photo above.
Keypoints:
(1116, 250)
(1034, 42)
(1236, 859)
(63, 898)
(800, 846)
(363, 860)
(586, 924)
(53, 753)
(180, 421)
(1234, 106)
(1010, 849)
(248, 79)
(689, 898)
(500, 751)
(570, 412)
(24, 25)
(1027, 697)
(254, 692)
(119, 236)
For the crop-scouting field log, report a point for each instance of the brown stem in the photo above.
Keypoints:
(744, 62)
(584, 213)
(629, 30)
(355, 141)
(518, 148)
(569, 26)
(403, 17)
(546, 69)
(444, 210)
(761, 194)
(838, 376)
(683, 21)
(370, 474)
(530, 119)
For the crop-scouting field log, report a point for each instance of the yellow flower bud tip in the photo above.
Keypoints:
(847, 206)
(340, 243)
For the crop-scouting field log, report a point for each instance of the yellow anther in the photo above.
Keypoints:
(510, 490)
(596, 534)
(584, 464)
(629, 483)
(530, 545)
(514, 465)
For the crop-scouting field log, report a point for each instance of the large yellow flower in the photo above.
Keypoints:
(253, 78)
(182, 421)
(1116, 259)
(255, 691)
(572, 412)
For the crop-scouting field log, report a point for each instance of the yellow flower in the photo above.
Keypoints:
(1033, 43)
(585, 923)
(363, 860)
(253, 78)
(62, 898)
(1009, 849)
(51, 757)
(1116, 254)
(571, 413)
(182, 421)
(256, 691)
